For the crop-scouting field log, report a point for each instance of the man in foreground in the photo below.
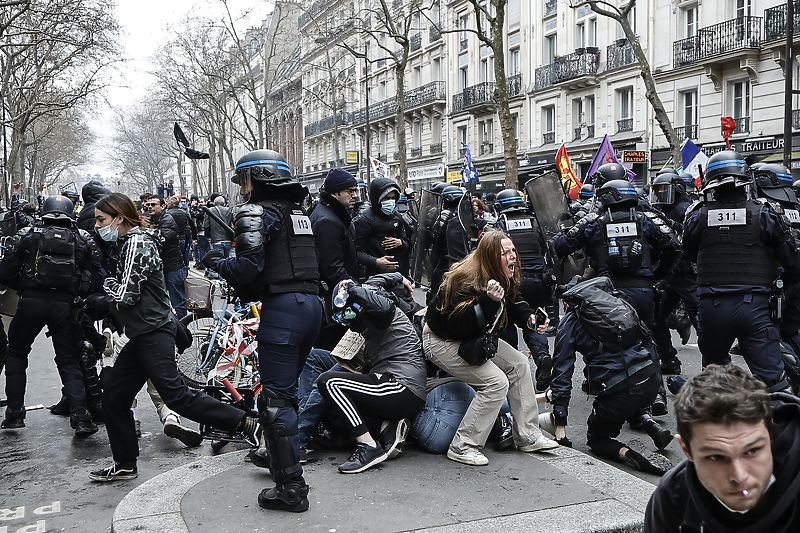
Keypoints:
(741, 446)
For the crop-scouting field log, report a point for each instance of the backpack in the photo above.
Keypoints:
(8, 224)
(53, 265)
(608, 317)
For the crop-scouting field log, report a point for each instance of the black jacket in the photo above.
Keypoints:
(171, 253)
(91, 193)
(335, 240)
(187, 230)
(372, 226)
(680, 503)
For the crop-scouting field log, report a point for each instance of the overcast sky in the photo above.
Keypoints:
(145, 25)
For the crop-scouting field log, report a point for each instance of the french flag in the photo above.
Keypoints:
(693, 159)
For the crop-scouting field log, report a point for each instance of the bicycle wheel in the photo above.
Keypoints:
(193, 364)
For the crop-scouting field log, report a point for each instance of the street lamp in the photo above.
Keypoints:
(365, 57)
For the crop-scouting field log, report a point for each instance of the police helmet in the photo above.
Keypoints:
(795, 186)
(726, 168)
(266, 166)
(609, 172)
(774, 181)
(509, 200)
(618, 193)
(667, 188)
(439, 186)
(688, 181)
(452, 194)
(587, 191)
(58, 207)
(73, 196)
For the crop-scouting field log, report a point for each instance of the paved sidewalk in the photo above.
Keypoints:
(563, 491)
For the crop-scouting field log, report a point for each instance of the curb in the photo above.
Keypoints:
(156, 504)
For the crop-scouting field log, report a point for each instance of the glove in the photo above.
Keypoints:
(97, 306)
(210, 257)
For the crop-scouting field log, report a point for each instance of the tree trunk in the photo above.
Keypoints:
(400, 119)
(504, 112)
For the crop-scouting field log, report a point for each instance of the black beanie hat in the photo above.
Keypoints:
(338, 180)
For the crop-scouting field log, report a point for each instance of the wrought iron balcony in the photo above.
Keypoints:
(434, 33)
(590, 131)
(549, 138)
(726, 37)
(550, 7)
(686, 132)
(775, 22)
(742, 125)
(315, 9)
(416, 42)
(514, 85)
(380, 63)
(464, 44)
(327, 123)
(425, 94)
(620, 56)
(572, 67)
(436, 148)
(796, 118)
(625, 124)
(577, 136)
(416, 152)
(481, 94)
(377, 111)
(486, 148)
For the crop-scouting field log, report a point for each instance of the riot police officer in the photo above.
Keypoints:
(735, 242)
(51, 266)
(608, 172)
(451, 245)
(773, 185)
(276, 263)
(680, 285)
(537, 279)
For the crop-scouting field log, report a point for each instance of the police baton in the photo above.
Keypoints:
(218, 220)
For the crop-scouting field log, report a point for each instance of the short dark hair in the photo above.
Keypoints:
(721, 394)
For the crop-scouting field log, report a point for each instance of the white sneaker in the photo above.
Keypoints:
(470, 456)
(541, 444)
(109, 349)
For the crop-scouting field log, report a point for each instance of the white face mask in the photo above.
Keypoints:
(107, 234)
(387, 206)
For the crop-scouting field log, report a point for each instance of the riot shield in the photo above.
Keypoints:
(425, 252)
(551, 208)
(466, 217)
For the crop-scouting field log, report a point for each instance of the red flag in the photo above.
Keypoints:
(572, 185)
(728, 127)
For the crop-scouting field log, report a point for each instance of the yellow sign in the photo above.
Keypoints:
(352, 157)
(454, 176)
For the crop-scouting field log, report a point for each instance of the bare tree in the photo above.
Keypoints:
(52, 54)
(620, 14)
(142, 147)
(58, 146)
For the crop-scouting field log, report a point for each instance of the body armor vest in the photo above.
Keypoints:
(52, 265)
(731, 251)
(623, 247)
(523, 230)
(290, 254)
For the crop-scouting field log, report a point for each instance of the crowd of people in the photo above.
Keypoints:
(349, 358)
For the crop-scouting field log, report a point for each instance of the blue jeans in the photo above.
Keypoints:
(202, 247)
(225, 247)
(177, 290)
(313, 406)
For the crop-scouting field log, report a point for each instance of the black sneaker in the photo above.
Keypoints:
(116, 472)
(188, 436)
(544, 372)
(364, 457)
(644, 460)
(393, 436)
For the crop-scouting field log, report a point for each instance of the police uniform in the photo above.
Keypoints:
(276, 263)
(522, 227)
(51, 266)
(449, 238)
(680, 285)
(737, 244)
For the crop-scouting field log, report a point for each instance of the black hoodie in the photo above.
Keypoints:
(91, 193)
(681, 504)
(373, 225)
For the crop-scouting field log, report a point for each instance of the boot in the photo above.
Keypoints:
(661, 436)
(501, 433)
(82, 423)
(61, 408)
(659, 407)
(544, 371)
(291, 496)
(15, 418)
(670, 366)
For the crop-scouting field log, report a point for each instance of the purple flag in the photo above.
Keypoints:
(605, 154)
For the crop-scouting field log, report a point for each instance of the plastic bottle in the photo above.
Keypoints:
(341, 297)
(613, 247)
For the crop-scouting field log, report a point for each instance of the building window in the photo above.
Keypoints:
(742, 8)
(577, 117)
(548, 124)
(436, 69)
(417, 134)
(515, 127)
(463, 78)
(625, 120)
(463, 24)
(631, 20)
(591, 37)
(549, 49)
(513, 62)
(741, 105)
(580, 35)
(690, 108)
(487, 69)
(690, 22)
